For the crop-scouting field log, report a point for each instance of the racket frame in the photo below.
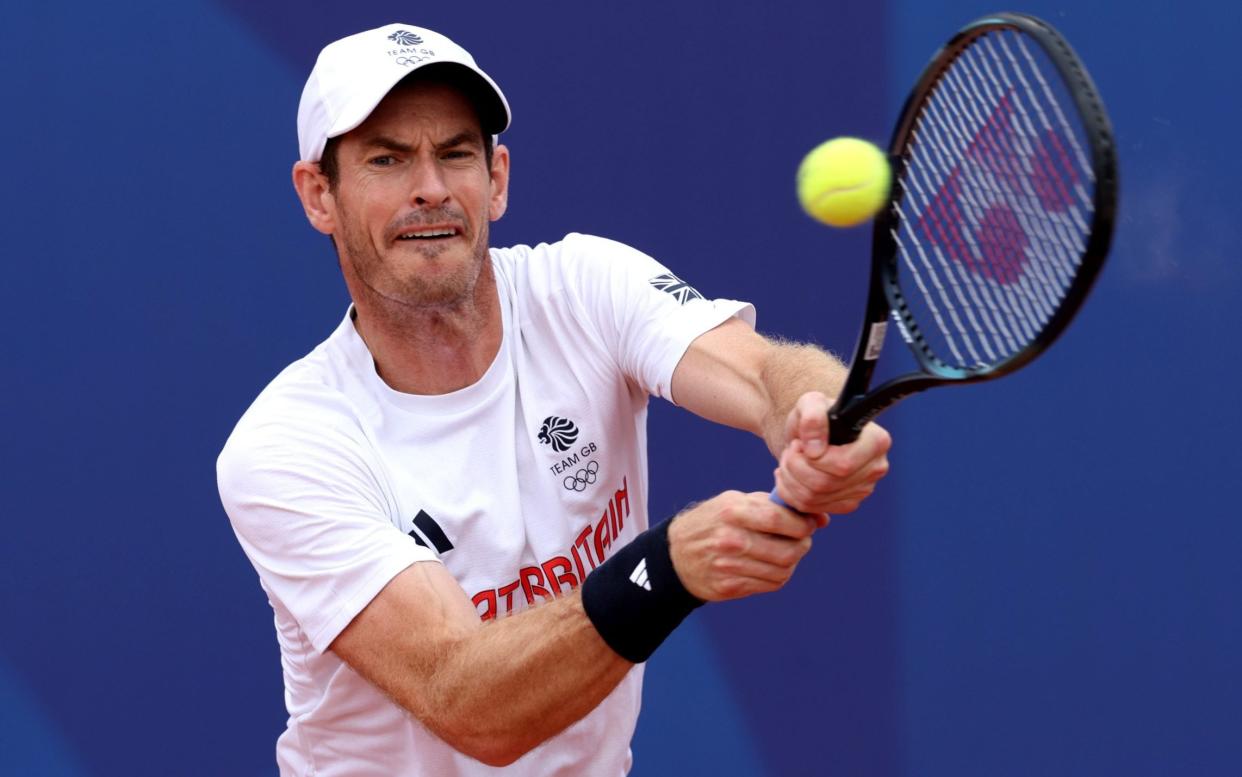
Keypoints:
(856, 406)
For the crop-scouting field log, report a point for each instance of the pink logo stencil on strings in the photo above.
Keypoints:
(980, 215)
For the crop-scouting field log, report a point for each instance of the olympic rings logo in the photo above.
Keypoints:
(583, 477)
(409, 61)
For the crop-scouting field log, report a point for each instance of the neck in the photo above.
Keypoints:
(433, 349)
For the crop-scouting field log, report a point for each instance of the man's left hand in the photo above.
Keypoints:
(815, 477)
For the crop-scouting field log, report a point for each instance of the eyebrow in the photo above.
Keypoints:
(380, 141)
(391, 144)
(462, 139)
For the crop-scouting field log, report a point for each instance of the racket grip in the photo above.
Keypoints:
(776, 498)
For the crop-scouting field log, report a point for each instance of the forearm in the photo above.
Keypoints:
(732, 375)
(574, 652)
(492, 691)
(505, 687)
(790, 370)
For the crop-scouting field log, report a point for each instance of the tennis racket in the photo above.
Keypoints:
(999, 218)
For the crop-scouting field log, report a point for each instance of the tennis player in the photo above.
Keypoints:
(446, 500)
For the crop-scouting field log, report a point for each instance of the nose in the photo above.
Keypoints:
(427, 185)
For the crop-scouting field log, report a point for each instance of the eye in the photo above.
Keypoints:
(384, 160)
(459, 154)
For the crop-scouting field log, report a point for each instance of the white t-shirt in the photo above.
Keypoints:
(519, 484)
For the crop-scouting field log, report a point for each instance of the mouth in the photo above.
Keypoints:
(428, 234)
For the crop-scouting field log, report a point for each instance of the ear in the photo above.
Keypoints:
(317, 199)
(499, 202)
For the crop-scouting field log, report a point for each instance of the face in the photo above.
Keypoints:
(415, 195)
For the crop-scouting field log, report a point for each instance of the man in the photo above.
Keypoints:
(446, 500)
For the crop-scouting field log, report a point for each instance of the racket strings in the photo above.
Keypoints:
(1012, 217)
(998, 236)
(995, 205)
(1047, 186)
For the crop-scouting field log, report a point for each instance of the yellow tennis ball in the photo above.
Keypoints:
(843, 182)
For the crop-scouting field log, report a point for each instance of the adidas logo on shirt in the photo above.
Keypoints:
(639, 575)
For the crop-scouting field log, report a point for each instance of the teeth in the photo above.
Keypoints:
(428, 233)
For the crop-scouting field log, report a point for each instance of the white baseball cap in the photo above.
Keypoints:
(352, 76)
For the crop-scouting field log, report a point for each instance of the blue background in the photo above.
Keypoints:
(1047, 584)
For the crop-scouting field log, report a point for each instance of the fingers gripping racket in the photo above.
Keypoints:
(999, 217)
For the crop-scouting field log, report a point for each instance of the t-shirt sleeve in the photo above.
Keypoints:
(312, 516)
(646, 315)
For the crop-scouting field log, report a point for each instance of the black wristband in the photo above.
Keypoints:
(635, 598)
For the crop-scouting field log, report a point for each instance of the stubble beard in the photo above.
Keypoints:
(389, 286)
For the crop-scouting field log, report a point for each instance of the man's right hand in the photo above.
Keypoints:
(734, 545)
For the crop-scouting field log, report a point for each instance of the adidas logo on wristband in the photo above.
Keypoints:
(639, 575)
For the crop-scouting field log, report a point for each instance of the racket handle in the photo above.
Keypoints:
(776, 498)
(843, 430)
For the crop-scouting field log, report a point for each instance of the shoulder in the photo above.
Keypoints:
(578, 262)
(575, 251)
(299, 454)
(298, 400)
(306, 414)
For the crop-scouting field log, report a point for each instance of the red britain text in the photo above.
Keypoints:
(565, 572)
